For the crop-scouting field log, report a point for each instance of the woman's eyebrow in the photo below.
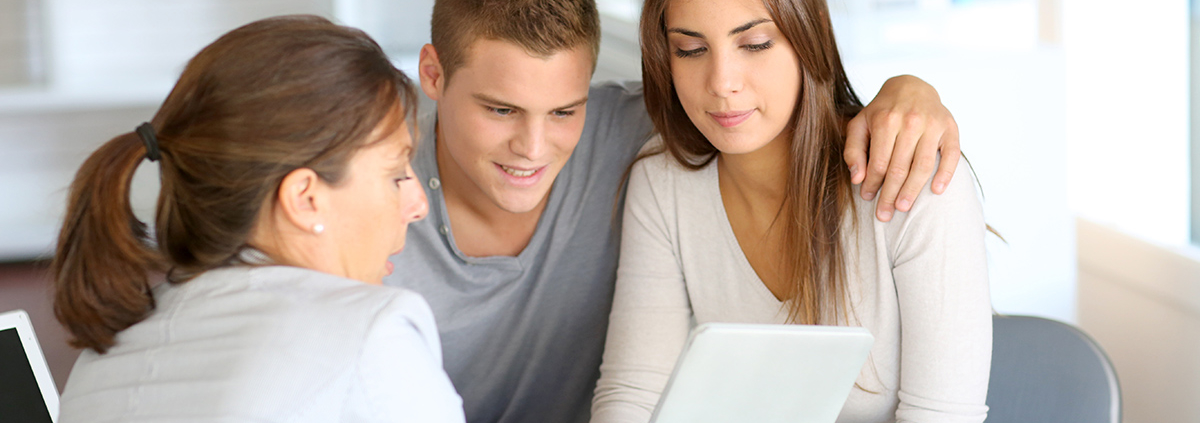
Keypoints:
(740, 29)
(686, 32)
(746, 26)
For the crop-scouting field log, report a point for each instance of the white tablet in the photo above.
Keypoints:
(27, 391)
(764, 374)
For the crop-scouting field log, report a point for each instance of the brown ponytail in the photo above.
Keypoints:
(263, 100)
(103, 255)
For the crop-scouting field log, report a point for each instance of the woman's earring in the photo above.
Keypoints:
(318, 228)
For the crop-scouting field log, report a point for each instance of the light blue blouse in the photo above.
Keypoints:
(269, 344)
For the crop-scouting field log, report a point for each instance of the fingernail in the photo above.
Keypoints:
(903, 204)
(853, 172)
(885, 215)
(939, 187)
(868, 196)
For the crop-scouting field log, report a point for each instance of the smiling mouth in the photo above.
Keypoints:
(520, 173)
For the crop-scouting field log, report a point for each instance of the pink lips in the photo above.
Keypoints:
(522, 181)
(731, 119)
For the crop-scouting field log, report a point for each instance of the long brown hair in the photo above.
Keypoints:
(263, 100)
(818, 196)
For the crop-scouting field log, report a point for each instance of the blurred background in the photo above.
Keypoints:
(1075, 114)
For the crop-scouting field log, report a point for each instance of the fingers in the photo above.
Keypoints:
(884, 129)
(923, 164)
(950, 153)
(898, 170)
(856, 151)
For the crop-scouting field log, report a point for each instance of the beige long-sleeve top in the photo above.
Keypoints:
(918, 283)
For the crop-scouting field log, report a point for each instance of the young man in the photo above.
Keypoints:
(523, 166)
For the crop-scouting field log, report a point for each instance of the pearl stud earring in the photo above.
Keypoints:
(318, 228)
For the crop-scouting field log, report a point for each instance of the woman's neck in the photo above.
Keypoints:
(757, 179)
(753, 187)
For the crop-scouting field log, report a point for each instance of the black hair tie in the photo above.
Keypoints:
(145, 131)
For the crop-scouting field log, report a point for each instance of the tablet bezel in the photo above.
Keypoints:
(854, 345)
(19, 320)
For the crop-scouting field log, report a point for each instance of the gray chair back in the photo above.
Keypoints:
(1048, 371)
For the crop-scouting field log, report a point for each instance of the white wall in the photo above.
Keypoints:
(1127, 115)
(1141, 301)
(42, 151)
(400, 27)
(109, 65)
(116, 44)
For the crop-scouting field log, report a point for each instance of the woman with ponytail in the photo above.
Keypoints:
(284, 157)
(749, 216)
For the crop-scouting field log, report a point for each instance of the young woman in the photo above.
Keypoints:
(284, 156)
(751, 218)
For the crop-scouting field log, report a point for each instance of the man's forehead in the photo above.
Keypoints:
(495, 55)
(505, 72)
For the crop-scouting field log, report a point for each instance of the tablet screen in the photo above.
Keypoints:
(20, 398)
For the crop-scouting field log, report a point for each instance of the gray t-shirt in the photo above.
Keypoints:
(522, 336)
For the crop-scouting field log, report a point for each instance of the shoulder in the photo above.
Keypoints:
(657, 162)
(660, 179)
(610, 101)
(616, 91)
(406, 320)
(617, 121)
(957, 212)
(309, 287)
(294, 300)
(358, 308)
(400, 370)
(959, 202)
(656, 167)
(407, 312)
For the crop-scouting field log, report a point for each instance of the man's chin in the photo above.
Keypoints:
(519, 203)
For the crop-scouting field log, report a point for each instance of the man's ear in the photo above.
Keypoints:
(431, 72)
(300, 200)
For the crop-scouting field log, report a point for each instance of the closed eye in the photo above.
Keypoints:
(759, 47)
(683, 54)
(499, 111)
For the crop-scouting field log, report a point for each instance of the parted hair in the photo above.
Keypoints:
(818, 197)
(541, 27)
(261, 101)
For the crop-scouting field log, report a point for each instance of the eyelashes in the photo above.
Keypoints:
(760, 46)
(684, 54)
(506, 112)
(499, 111)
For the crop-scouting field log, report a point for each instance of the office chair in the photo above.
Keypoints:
(1048, 371)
